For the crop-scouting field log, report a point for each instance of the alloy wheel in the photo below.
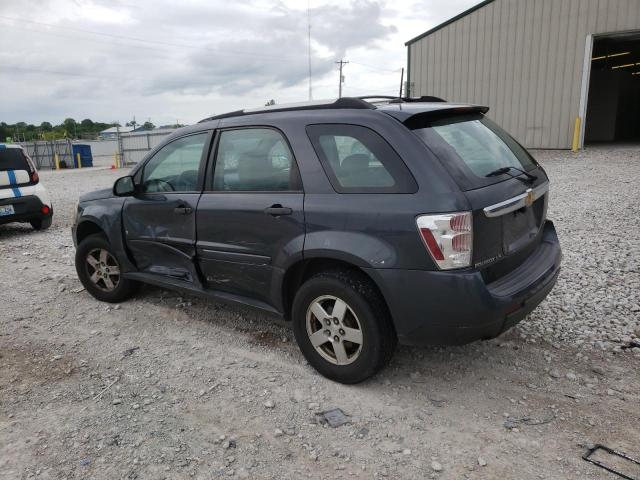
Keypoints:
(334, 330)
(103, 269)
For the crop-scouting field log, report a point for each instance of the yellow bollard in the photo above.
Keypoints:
(576, 136)
(56, 159)
(79, 161)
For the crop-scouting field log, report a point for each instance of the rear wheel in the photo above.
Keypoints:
(99, 271)
(342, 326)
(41, 223)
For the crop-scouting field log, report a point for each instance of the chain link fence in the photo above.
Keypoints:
(43, 153)
(125, 150)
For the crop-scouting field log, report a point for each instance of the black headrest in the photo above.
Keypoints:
(354, 163)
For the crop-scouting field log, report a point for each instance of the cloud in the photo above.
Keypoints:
(257, 48)
(110, 59)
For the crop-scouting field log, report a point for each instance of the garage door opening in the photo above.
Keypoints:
(613, 106)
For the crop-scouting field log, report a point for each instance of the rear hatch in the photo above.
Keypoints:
(505, 186)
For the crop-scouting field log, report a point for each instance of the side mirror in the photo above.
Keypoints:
(124, 187)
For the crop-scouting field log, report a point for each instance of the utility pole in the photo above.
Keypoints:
(309, 48)
(340, 64)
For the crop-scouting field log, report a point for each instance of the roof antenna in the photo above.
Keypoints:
(401, 82)
(309, 49)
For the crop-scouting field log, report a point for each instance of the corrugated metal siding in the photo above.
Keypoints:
(522, 58)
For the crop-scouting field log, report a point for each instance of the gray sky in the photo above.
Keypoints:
(166, 60)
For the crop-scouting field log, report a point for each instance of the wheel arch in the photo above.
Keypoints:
(105, 219)
(86, 228)
(305, 268)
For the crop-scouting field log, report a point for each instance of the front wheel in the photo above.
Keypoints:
(99, 271)
(342, 326)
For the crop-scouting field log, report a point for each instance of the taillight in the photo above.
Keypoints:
(448, 238)
(34, 177)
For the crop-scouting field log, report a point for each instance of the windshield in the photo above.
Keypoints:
(472, 146)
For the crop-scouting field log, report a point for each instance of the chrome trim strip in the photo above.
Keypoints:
(517, 202)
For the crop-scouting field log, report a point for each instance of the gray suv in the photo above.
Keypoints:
(365, 222)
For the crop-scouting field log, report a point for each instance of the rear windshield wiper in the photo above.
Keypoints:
(507, 170)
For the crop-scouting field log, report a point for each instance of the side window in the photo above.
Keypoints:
(254, 159)
(358, 160)
(174, 168)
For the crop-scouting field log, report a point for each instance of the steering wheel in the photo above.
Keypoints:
(158, 185)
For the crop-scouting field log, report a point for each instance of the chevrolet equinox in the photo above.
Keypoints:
(363, 221)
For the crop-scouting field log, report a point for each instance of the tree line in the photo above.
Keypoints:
(69, 128)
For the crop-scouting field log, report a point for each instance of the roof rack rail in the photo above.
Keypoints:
(344, 102)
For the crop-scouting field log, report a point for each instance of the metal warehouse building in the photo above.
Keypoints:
(540, 65)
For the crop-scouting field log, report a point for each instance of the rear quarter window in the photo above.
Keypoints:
(358, 160)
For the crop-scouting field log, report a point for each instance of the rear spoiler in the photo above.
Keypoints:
(412, 118)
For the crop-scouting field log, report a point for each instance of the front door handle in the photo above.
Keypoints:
(183, 210)
(277, 210)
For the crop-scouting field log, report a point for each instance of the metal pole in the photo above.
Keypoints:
(575, 145)
(309, 49)
(57, 154)
(401, 80)
(120, 149)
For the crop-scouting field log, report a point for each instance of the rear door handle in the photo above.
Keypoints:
(277, 210)
(183, 210)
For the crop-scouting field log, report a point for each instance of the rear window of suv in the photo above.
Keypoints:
(13, 159)
(472, 146)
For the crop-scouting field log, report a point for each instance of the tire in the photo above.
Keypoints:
(41, 223)
(101, 276)
(364, 310)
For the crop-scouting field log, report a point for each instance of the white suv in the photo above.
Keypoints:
(22, 197)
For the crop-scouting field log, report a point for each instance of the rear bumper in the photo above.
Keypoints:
(454, 308)
(27, 208)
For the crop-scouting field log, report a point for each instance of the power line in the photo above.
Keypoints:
(376, 68)
(94, 40)
(55, 72)
(356, 91)
(143, 40)
(118, 43)
(175, 45)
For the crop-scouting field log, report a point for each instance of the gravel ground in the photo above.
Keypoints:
(595, 207)
(164, 386)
